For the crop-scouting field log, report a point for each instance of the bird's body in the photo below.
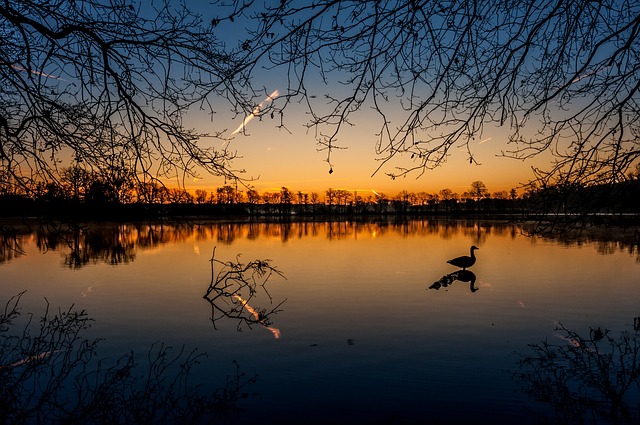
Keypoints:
(465, 261)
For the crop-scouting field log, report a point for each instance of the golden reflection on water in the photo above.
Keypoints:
(358, 292)
(118, 243)
(256, 315)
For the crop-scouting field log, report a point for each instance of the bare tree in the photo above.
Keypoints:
(286, 196)
(226, 194)
(76, 181)
(561, 77)
(201, 196)
(253, 196)
(106, 83)
(331, 196)
(502, 195)
(478, 190)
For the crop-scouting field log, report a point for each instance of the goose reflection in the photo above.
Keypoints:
(461, 275)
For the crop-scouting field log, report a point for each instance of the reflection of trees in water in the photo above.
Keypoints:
(308, 230)
(448, 231)
(253, 231)
(226, 233)
(478, 233)
(593, 379)
(10, 244)
(337, 230)
(510, 232)
(276, 230)
(117, 243)
(202, 233)
(110, 246)
(607, 240)
(606, 247)
(82, 245)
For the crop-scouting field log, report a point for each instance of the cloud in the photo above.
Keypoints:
(255, 112)
(19, 68)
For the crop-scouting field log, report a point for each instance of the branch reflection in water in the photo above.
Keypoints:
(238, 284)
(51, 373)
(585, 379)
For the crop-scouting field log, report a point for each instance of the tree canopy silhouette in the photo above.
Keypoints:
(560, 77)
(106, 84)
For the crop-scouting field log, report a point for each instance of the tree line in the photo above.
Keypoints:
(120, 186)
(78, 187)
(110, 83)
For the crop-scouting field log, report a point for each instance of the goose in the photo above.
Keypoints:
(465, 261)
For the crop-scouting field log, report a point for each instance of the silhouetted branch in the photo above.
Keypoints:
(557, 77)
(107, 84)
(232, 290)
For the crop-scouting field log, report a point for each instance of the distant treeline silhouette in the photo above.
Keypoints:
(97, 198)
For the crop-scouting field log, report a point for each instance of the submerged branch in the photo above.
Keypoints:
(235, 286)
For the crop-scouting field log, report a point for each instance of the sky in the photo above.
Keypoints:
(274, 157)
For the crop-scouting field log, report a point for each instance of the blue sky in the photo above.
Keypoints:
(278, 157)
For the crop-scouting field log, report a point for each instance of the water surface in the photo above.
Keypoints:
(362, 335)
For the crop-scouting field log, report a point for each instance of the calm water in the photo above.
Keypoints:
(361, 337)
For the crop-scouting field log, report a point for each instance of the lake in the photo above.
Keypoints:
(360, 331)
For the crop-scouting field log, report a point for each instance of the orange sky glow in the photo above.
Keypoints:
(276, 157)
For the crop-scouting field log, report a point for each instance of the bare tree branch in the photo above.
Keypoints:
(234, 287)
(560, 77)
(107, 84)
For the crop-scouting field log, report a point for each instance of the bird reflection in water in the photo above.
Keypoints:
(461, 275)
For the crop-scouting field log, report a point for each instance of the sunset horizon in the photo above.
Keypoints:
(319, 212)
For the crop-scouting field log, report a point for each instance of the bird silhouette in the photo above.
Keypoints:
(465, 261)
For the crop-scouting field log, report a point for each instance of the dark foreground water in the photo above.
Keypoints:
(360, 333)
